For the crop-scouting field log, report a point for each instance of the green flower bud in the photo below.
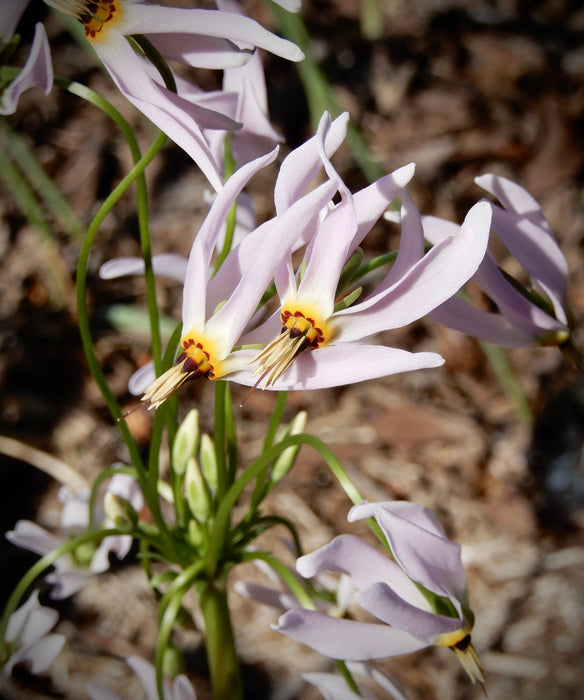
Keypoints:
(196, 534)
(209, 461)
(120, 511)
(173, 662)
(286, 460)
(186, 443)
(197, 491)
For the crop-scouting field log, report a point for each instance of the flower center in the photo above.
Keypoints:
(93, 14)
(192, 363)
(300, 331)
(194, 359)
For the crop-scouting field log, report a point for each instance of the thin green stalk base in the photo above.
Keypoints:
(220, 644)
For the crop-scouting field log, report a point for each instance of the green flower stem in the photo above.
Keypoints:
(222, 658)
(39, 567)
(170, 612)
(349, 680)
(142, 198)
(221, 389)
(85, 331)
(180, 584)
(275, 420)
(268, 521)
(222, 522)
(229, 168)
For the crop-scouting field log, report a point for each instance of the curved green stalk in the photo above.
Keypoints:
(230, 221)
(222, 521)
(268, 521)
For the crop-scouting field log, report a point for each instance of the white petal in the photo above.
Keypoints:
(435, 278)
(227, 25)
(346, 639)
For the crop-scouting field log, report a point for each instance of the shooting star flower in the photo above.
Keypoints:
(72, 570)
(315, 342)
(391, 591)
(37, 70)
(195, 37)
(520, 320)
(216, 312)
(27, 639)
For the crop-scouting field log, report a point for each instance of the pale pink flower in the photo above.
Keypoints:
(71, 571)
(527, 234)
(216, 311)
(195, 37)
(334, 687)
(37, 70)
(27, 639)
(179, 688)
(314, 340)
(390, 591)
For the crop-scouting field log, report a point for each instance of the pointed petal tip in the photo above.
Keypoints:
(404, 174)
(479, 215)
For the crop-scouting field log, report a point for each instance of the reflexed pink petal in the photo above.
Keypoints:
(265, 596)
(513, 197)
(30, 622)
(419, 545)
(385, 604)
(334, 687)
(209, 52)
(330, 250)
(194, 294)
(33, 537)
(36, 72)
(156, 19)
(336, 365)
(411, 245)
(372, 201)
(537, 251)
(346, 639)
(42, 653)
(302, 165)
(273, 240)
(141, 379)
(66, 580)
(169, 265)
(165, 109)
(522, 313)
(365, 565)
(10, 14)
(425, 285)
(147, 675)
(382, 679)
(489, 327)
(182, 689)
